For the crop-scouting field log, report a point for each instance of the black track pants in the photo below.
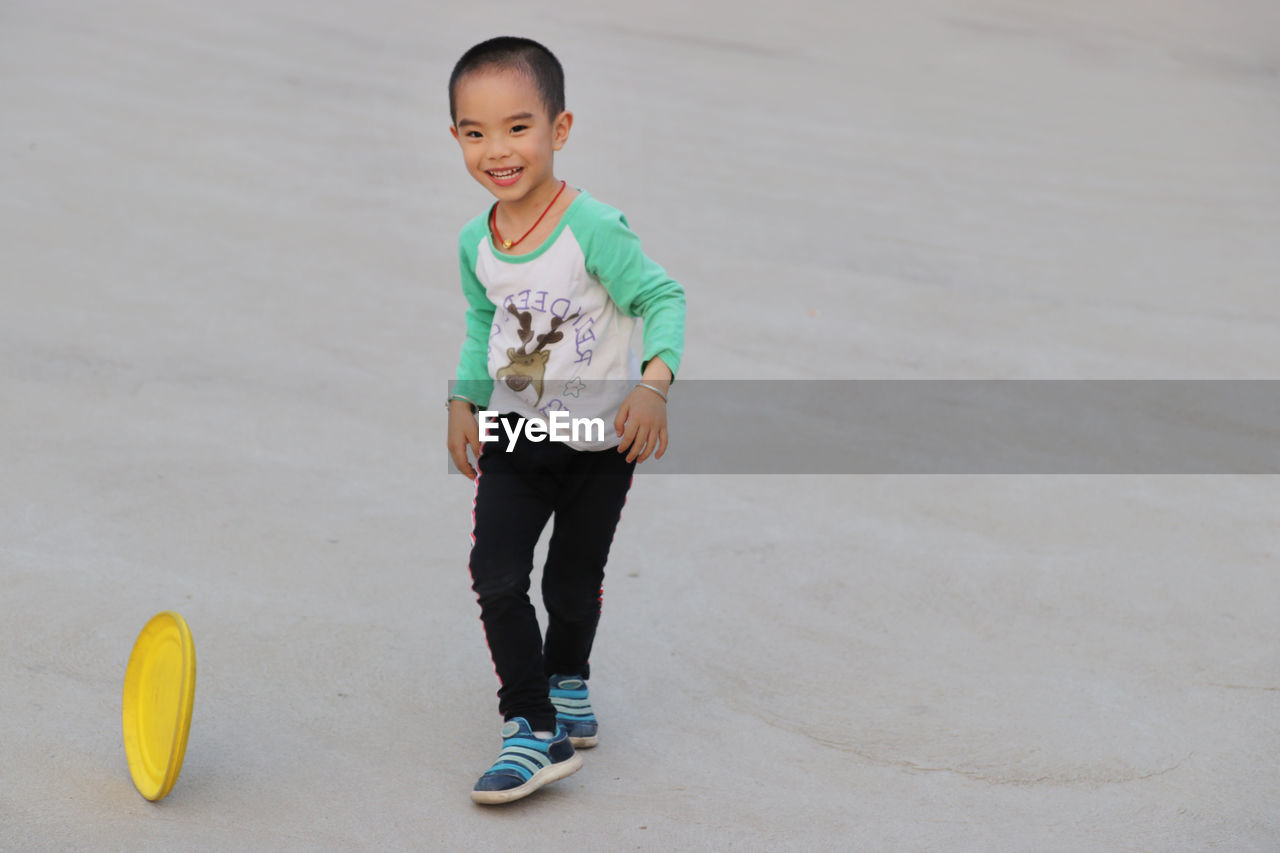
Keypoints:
(516, 493)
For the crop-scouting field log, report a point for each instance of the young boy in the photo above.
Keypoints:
(554, 280)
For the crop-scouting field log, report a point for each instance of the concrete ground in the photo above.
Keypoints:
(230, 307)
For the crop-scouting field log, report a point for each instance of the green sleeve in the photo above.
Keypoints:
(640, 287)
(473, 381)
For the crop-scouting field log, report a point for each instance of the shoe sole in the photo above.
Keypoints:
(584, 742)
(544, 776)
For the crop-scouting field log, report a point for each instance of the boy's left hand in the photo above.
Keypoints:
(642, 423)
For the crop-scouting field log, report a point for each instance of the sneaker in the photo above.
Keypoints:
(573, 710)
(525, 764)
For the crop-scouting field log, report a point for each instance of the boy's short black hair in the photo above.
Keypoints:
(515, 54)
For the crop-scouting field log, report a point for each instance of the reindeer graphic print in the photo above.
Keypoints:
(523, 367)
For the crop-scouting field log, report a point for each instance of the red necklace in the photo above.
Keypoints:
(507, 244)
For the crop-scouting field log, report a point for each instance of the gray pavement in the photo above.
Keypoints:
(230, 308)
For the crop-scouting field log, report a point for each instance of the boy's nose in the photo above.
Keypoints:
(497, 151)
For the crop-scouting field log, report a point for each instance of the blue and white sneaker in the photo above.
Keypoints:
(573, 710)
(525, 764)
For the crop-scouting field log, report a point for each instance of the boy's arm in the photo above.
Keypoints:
(641, 288)
(473, 386)
(472, 382)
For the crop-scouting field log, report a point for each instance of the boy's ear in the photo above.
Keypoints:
(560, 130)
(453, 128)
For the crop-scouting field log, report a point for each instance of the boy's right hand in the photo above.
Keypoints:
(464, 432)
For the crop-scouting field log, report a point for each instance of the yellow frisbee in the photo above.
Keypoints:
(159, 691)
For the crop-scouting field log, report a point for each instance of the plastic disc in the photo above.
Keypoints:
(159, 691)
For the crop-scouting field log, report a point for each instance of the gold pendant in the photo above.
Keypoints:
(506, 244)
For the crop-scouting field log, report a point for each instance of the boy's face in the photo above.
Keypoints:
(508, 140)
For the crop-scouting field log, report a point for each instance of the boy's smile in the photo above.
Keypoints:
(508, 140)
(505, 177)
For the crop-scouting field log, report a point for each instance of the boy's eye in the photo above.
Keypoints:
(516, 128)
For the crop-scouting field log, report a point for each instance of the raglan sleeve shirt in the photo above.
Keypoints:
(593, 247)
